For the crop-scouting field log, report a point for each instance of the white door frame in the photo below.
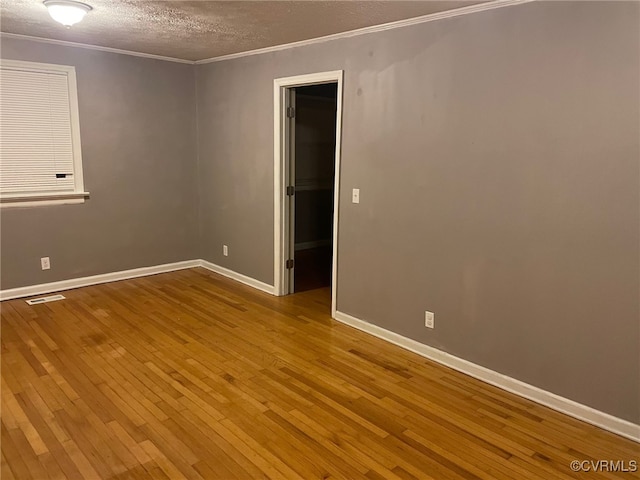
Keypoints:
(280, 231)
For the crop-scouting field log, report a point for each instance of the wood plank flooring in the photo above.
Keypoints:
(191, 375)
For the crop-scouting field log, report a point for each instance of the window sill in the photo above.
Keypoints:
(41, 200)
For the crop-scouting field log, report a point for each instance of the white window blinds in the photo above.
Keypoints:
(39, 152)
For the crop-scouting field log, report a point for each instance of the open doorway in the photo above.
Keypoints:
(312, 161)
(307, 166)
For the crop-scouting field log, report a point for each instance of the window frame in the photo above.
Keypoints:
(78, 194)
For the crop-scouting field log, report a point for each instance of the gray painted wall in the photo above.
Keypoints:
(137, 122)
(497, 156)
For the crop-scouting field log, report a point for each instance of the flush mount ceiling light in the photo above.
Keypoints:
(67, 12)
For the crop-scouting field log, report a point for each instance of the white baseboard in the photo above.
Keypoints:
(252, 282)
(51, 287)
(94, 280)
(590, 415)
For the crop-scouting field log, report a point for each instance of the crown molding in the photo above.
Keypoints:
(482, 7)
(94, 47)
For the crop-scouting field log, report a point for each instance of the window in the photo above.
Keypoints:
(40, 156)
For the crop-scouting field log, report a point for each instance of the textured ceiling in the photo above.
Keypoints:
(195, 30)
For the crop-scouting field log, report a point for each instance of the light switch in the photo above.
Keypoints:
(356, 195)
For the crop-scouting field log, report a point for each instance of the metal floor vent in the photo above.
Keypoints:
(51, 298)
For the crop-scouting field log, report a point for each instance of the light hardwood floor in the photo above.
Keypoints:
(191, 375)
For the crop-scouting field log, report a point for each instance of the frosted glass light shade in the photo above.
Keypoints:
(67, 12)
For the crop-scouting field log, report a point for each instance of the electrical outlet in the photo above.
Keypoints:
(225, 250)
(429, 319)
(45, 263)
